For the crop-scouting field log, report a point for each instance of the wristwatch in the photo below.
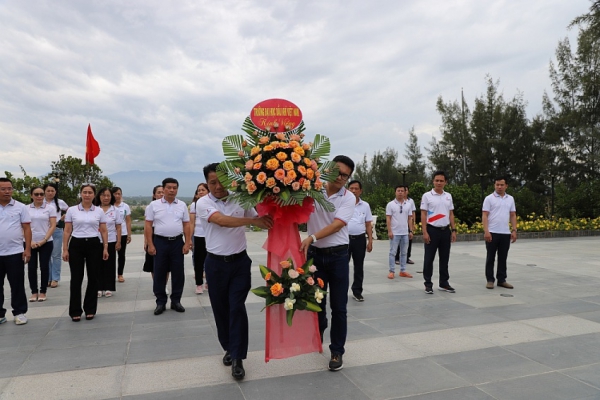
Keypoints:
(453, 230)
(314, 238)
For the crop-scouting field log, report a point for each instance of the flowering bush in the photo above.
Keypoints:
(296, 288)
(275, 162)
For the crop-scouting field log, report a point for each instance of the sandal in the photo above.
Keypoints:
(33, 298)
(121, 279)
(54, 284)
(90, 317)
(76, 319)
(42, 297)
(108, 293)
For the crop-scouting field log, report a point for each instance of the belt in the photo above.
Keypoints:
(329, 250)
(356, 236)
(439, 228)
(87, 238)
(169, 237)
(230, 258)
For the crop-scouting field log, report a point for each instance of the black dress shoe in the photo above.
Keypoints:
(177, 307)
(159, 309)
(237, 369)
(227, 361)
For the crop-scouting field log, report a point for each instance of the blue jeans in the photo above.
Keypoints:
(56, 258)
(333, 268)
(398, 242)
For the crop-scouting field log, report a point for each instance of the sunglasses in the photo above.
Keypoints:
(38, 194)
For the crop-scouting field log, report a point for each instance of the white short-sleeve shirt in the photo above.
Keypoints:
(40, 221)
(198, 228)
(113, 218)
(168, 218)
(362, 215)
(61, 205)
(399, 213)
(499, 208)
(220, 240)
(344, 202)
(12, 218)
(86, 223)
(438, 207)
(124, 210)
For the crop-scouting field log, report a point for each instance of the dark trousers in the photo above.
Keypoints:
(13, 268)
(199, 257)
(440, 242)
(43, 254)
(333, 269)
(168, 258)
(121, 254)
(500, 244)
(108, 269)
(229, 286)
(356, 252)
(84, 253)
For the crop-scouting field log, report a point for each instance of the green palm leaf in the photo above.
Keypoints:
(321, 147)
(232, 146)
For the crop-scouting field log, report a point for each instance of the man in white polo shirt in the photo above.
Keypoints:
(360, 224)
(400, 225)
(327, 245)
(171, 222)
(227, 266)
(498, 209)
(15, 231)
(439, 231)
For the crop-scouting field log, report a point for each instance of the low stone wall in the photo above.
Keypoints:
(473, 237)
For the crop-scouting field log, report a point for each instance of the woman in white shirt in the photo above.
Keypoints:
(108, 270)
(83, 222)
(60, 207)
(199, 254)
(43, 223)
(125, 212)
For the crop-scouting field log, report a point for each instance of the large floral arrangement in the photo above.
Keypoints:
(275, 162)
(295, 288)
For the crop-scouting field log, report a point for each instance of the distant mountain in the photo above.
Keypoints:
(140, 183)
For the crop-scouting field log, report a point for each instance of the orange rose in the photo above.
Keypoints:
(248, 177)
(301, 181)
(306, 185)
(268, 276)
(280, 136)
(310, 174)
(258, 158)
(257, 165)
(318, 185)
(234, 184)
(300, 270)
(307, 162)
(255, 150)
(299, 150)
(320, 283)
(317, 173)
(281, 156)
(251, 186)
(295, 137)
(291, 174)
(284, 145)
(249, 164)
(275, 144)
(263, 140)
(294, 144)
(285, 264)
(280, 174)
(241, 153)
(302, 170)
(261, 177)
(306, 146)
(276, 289)
(268, 148)
(288, 165)
(271, 182)
(313, 165)
(296, 157)
(276, 189)
(244, 143)
(272, 164)
(287, 180)
(295, 186)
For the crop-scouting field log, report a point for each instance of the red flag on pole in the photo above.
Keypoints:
(92, 148)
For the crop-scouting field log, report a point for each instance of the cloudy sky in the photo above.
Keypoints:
(163, 82)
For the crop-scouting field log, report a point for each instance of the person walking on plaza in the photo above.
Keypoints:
(199, 254)
(360, 224)
(498, 210)
(400, 226)
(51, 198)
(227, 266)
(15, 251)
(108, 269)
(171, 222)
(327, 245)
(414, 215)
(85, 249)
(125, 213)
(157, 193)
(439, 231)
(43, 223)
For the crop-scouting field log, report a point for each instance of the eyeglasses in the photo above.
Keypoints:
(400, 208)
(5, 189)
(38, 194)
(344, 177)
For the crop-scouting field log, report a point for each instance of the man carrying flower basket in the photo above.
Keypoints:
(327, 245)
(227, 266)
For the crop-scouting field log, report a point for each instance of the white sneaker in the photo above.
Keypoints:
(20, 319)
(100, 293)
(108, 293)
(167, 290)
(199, 289)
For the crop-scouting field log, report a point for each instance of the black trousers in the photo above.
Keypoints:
(440, 242)
(121, 254)
(168, 258)
(500, 244)
(356, 252)
(43, 254)
(108, 269)
(199, 257)
(13, 268)
(84, 253)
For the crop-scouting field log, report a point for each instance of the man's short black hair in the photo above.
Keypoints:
(170, 180)
(4, 179)
(442, 173)
(357, 182)
(346, 161)
(400, 186)
(501, 178)
(209, 168)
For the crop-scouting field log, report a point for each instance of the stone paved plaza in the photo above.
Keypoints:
(542, 343)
